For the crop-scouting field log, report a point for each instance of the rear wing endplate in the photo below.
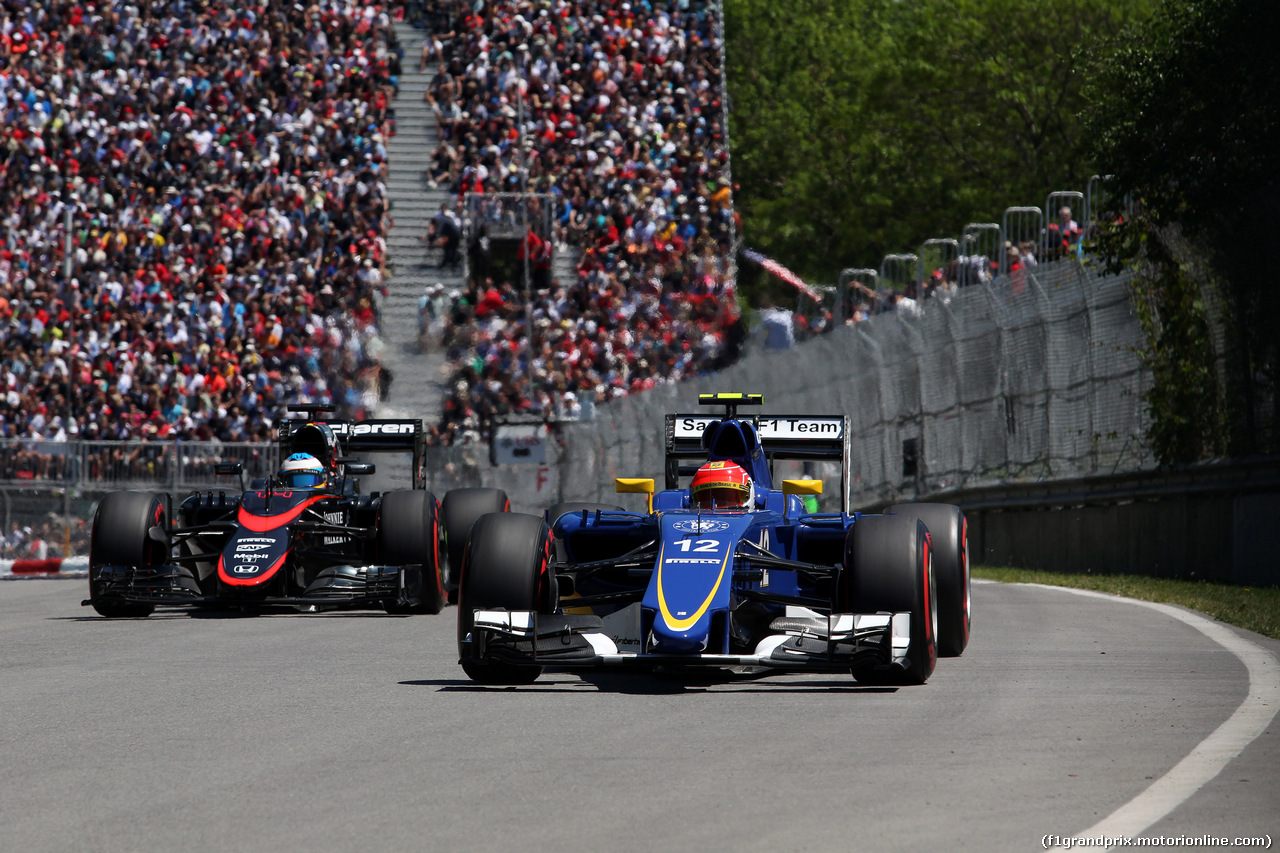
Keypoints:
(818, 437)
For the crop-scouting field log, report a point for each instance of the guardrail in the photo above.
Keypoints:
(162, 465)
(1205, 522)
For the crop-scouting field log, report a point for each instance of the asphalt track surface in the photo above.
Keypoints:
(337, 732)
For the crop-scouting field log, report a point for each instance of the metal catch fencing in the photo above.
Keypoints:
(114, 465)
(49, 489)
(998, 385)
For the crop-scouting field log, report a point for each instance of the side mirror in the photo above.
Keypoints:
(230, 469)
(635, 485)
(359, 469)
(800, 487)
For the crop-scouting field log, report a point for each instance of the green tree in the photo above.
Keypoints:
(1185, 111)
(862, 127)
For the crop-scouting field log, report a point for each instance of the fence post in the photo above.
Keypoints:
(174, 475)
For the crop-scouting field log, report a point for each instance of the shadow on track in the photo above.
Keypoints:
(657, 684)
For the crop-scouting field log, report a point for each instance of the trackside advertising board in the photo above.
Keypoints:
(518, 444)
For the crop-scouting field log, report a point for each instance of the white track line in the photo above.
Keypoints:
(1213, 753)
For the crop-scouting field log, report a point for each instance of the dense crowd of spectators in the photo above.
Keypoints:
(625, 128)
(217, 169)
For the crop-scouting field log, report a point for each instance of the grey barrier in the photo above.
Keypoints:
(898, 270)
(938, 253)
(1073, 204)
(979, 243)
(855, 286)
(1022, 227)
(813, 315)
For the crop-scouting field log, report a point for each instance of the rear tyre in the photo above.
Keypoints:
(409, 533)
(888, 567)
(949, 531)
(119, 538)
(458, 511)
(505, 568)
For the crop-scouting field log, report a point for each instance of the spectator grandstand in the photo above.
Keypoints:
(194, 214)
(624, 127)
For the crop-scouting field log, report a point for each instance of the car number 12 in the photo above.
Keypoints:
(704, 546)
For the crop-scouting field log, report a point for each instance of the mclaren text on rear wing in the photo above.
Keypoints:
(379, 435)
(390, 436)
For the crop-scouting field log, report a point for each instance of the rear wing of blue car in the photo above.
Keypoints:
(816, 437)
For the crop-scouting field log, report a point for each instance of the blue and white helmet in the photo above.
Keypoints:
(302, 471)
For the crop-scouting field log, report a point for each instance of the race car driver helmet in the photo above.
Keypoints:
(302, 471)
(721, 485)
(319, 441)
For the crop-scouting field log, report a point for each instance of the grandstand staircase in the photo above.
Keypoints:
(418, 377)
(417, 386)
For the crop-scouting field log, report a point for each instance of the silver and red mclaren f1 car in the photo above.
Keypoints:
(306, 544)
(729, 571)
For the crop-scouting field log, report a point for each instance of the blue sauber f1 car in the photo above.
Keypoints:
(305, 539)
(728, 572)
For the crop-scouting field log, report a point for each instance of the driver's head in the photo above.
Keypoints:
(721, 485)
(302, 471)
(318, 440)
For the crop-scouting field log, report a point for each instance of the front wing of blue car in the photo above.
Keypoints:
(822, 643)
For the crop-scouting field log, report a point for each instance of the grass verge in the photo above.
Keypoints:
(1253, 608)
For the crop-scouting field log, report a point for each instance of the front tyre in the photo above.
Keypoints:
(505, 567)
(408, 534)
(949, 532)
(119, 538)
(888, 566)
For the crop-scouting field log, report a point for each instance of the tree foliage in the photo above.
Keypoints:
(1185, 112)
(862, 127)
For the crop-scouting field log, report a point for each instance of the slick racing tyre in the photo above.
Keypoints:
(119, 538)
(458, 511)
(505, 568)
(888, 567)
(408, 534)
(950, 534)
